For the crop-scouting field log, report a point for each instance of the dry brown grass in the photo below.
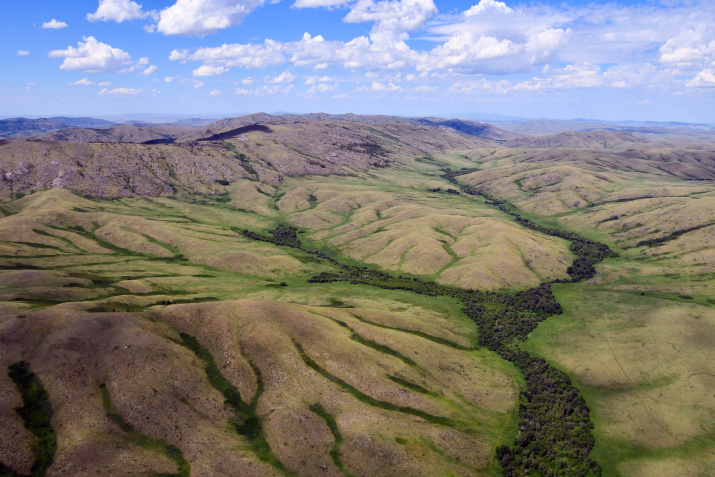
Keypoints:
(160, 389)
(459, 242)
(263, 332)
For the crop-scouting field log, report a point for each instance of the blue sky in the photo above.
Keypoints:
(641, 60)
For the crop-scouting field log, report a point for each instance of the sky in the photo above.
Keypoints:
(611, 60)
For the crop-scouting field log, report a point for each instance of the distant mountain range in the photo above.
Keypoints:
(18, 127)
(517, 132)
(24, 127)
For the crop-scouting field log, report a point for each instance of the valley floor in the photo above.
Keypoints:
(170, 343)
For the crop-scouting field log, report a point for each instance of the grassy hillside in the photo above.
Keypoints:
(97, 295)
(165, 331)
(636, 338)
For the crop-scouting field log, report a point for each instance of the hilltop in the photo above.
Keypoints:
(354, 295)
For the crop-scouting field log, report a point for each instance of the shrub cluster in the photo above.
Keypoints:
(588, 252)
(554, 435)
(368, 146)
(36, 413)
(670, 236)
(286, 236)
(555, 427)
(448, 191)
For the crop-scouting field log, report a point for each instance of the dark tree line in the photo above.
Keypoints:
(554, 437)
(448, 191)
(36, 413)
(588, 252)
(555, 427)
(286, 236)
(670, 236)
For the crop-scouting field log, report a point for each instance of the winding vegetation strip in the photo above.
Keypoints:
(247, 423)
(588, 252)
(434, 339)
(35, 413)
(412, 386)
(318, 409)
(145, 441)
(443, 421)
(374, 344)
(555, 423)
(672, 235)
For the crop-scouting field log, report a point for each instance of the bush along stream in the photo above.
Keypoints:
(588, 252)
(36, 414)
(555, 428)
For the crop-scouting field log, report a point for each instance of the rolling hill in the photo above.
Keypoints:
(344, 295)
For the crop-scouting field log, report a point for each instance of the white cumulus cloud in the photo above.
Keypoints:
(704, 78)
(322, 88)
(83, 82)
(595, 44)
(392, 15)
(208, 70)
(319, 3)
(264, 90)
(215, 92)
(119, 92)
(150, 70)
(204, 17)
(22, 52)
(92, 56)
(118, 11)
(691, 47)
(54, 24)
(284, 77)
(488, 6)
(270, 53)
(377, 86)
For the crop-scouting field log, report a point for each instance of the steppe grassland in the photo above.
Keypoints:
(623, 201)
(266, 331)
(393, 222)
(642, 361)
(135, 253)
(121, 257)
(642, 357)
(554, 181)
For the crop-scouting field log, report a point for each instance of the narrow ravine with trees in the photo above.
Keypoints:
(554, 436)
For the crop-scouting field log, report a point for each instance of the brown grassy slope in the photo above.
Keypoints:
(323, 148)
(471, 128)
(607, 140)
(75, 275)
(159, 388)
(155, 385)
(119, 133)
(115, 169)
(457, 241)
(293, 149)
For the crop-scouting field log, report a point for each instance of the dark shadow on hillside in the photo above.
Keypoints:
(237, 132)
